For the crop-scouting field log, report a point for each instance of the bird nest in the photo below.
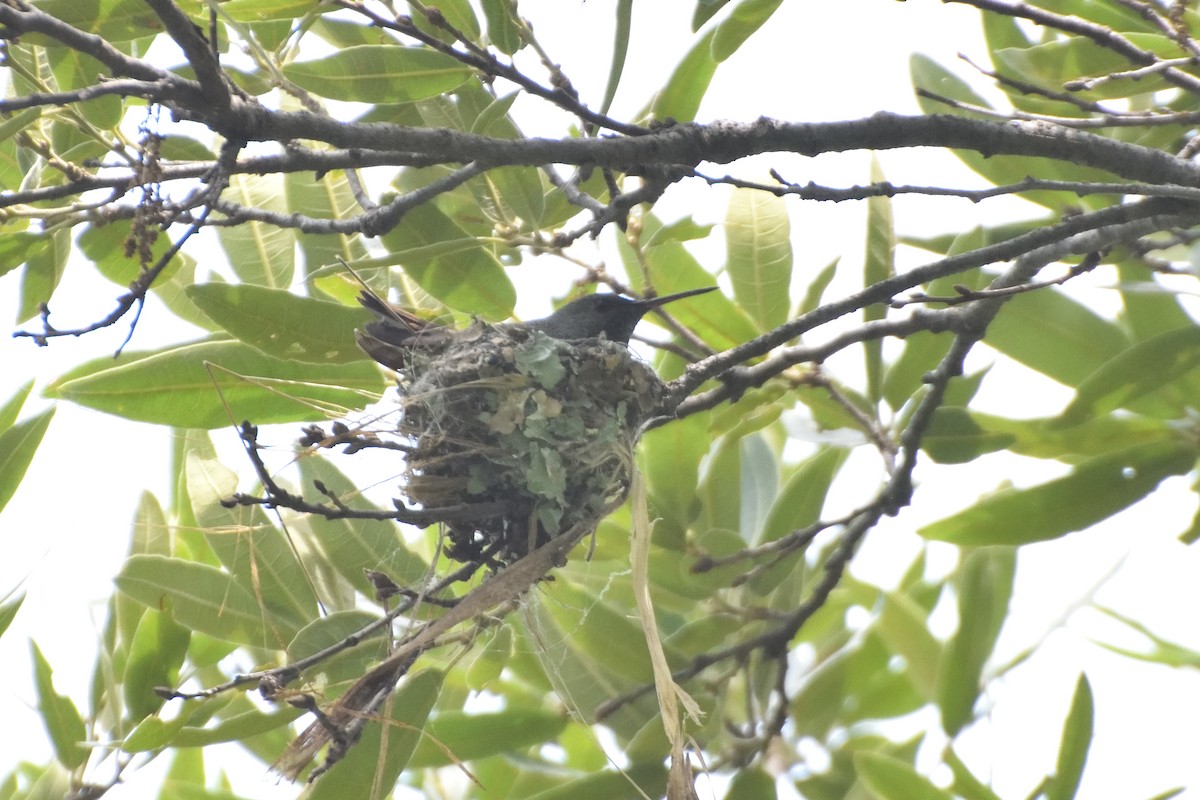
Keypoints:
(509, 415)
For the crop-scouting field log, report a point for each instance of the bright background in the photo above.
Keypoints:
(66, 531)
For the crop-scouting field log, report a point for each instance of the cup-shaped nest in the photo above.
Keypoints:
(543, 425)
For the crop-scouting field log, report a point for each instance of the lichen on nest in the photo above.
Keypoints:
(546, 426)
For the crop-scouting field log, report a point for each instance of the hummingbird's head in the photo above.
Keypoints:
(610, 315)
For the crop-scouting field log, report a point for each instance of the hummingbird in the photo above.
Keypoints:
(397, 332)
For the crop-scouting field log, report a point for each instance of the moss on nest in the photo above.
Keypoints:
(509, 414)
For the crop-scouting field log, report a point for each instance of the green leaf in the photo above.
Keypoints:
(954, 436)
(490, 658)
(203, 598)
(983, 584)
(1161, 650)
(263, 10)
(155, 656)
(235, 728)
(878, 265)
(888, 778)
(8, 612)
(752, 783)
(352, 545)
(44, 267)
(759, 255)
(376, 757)
(16, 246)
(468, 277)
(214, 384)
(1038, 439)
(282, 324)
(798, 504)
(256, 553)
(503, 31)
(333, 629)
(620, 50)
(260, 254)
(999, 170)
(1053, 334)
(716, 319)
(671, 464)
(1076, 739)
(456, 736)
(379, 74)
(636, 782)
(1136, 372)
(63, 721)
(745, 18)
(18, 445)
(327, 198)
(1095, 490)
(817, 286)
(966, 785)
(680, 98)
(904, 627)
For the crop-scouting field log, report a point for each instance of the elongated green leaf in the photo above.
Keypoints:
(235, 728)
(503, 31)
(458, 736)
(8, 611)
(888, 778)
(379, 74)
(1160, 651)
(984, 584)
(213, 384)
(12, 407)
(354, 545)
(745, 18)
(15, 247)
(63, 721)
(18, 445)
(334, 629)
(1055, 335)
(114, 20)
(680, 97)
(798, 503)
(904, 626)
(260, 254)
(202, 598)
(620, 50)
(44, 267)
(633, 783)
(1093, 491)
(759, 255)
(1076, 740)
(1069, 57)
(930, 76)
(263, 10)
(716, 319)
(282, 324)
(1038, 438)
(327, 198)
(752, 783)
(954, 436)
(468, 278)
(966, 785)
(1134, 373)
(877, 266)
(255, 552)
(394, 738)
(671, 461)
(155, 655)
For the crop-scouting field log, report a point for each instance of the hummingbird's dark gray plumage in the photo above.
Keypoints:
(612, 316)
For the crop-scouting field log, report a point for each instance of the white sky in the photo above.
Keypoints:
(66, 531)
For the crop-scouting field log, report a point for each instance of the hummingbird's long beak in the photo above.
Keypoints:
(655, 302)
